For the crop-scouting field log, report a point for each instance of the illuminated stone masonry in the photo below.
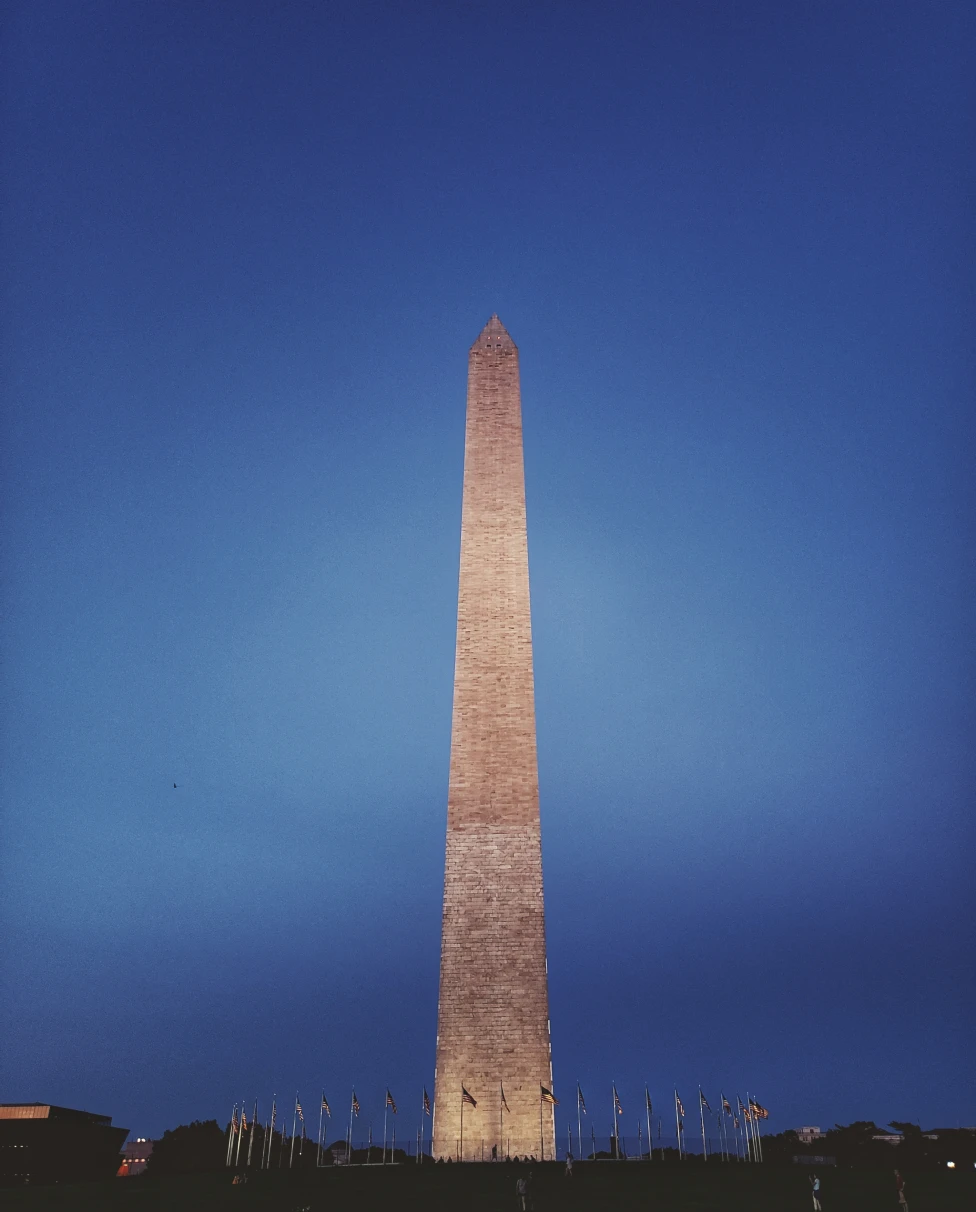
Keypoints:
(493, 1012)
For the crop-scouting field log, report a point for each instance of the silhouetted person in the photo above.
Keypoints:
(569, 1165)
(900, 1184)
(815, 1185)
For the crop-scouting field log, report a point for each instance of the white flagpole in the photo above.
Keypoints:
(678, 1122)
(461, 1146)
(318, 1156)
(386, 1107)
(542, 1139)
(701, 1112)
(230, 1135)
(294, 1125)
(250, 1139)
(352, 1103)
(647, 1108)
(579, 1121)
(271, 1128)
(240, 1136)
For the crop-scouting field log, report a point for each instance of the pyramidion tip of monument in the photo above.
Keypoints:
(493, 336)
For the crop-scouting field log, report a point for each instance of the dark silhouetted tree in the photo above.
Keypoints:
(189, 1149)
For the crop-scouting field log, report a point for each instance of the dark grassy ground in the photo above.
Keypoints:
(620, 1186)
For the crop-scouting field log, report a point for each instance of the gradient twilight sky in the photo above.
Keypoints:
(247, 248)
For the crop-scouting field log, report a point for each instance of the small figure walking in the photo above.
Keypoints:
(815, 1184)
(900, 1184)
(522, 1193)
(569, 1165)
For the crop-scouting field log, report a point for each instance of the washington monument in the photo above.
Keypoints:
(493, 1011)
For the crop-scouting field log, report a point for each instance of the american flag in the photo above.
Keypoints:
(581, 1101)
(547, 1095)
(325, 1106)
(466, 1098)
(426, 1102)
(504, 1100)
(616, 1102)
(298, 1109)
(679, 1104)
(704, 1101)
(355, 1103)
(389, 1101)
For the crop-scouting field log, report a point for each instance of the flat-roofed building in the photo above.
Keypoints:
(41, 1143)
(135, 1157)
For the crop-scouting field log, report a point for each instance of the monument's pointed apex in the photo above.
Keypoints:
(494, 335)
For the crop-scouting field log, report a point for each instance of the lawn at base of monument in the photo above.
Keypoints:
(620, 1186)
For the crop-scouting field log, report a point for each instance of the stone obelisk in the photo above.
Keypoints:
(493, 1011)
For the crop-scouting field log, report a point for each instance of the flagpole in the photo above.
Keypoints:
(271, 1128)
(461, 1145)
(501, 1115)
(386, 1108)
(542, 1139)
(701, 1112)
(579, 1121)
(250, 1139)
(677, 1122)
(318, 1156)
(294, 1126)
(756, 1119)
(647, 1108)
(230, 1134)
(352, 1101)
(240, 1133)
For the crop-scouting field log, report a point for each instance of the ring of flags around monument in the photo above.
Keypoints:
(747, 1120)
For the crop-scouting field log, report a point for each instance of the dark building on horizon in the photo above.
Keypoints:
(42, 1144)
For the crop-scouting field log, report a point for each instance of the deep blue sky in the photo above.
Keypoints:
(247, 247)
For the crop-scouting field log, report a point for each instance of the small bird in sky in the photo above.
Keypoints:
(174, 784)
